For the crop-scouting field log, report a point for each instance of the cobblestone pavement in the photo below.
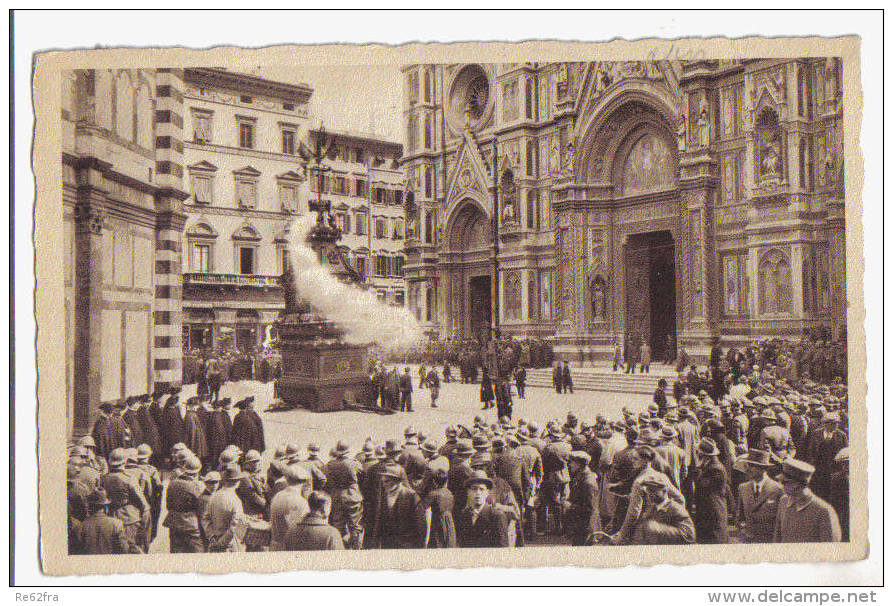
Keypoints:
(458, 403)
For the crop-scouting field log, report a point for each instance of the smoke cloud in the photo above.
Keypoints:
(358, 312)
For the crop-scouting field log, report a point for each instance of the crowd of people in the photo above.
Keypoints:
(219, 365)
(468, 354)
(766, 460)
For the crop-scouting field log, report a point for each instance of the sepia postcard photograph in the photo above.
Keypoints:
(425, 306)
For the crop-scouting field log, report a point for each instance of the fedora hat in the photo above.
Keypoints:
(479, 477)
(392, 447)
(341, 448)
(707, 447)
(756, 457)
(464, 447)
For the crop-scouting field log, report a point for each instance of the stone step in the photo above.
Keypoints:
(602, 379)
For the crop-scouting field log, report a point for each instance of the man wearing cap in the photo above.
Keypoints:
(79, 463)
(581, 508)
(400, 519)
(555, 478)
(711, 515)
(253, 487)
(289, 506)
(313, 532)
(663, 520)
(248, 429)
(479, 523)
(184, 510)
(224, 515)
(342, 483)
(824, 446)
(802, 516)
(758, 498)
(211, 481)
(78, 496)
(91, 458)
(412, 459)
(839, 490)
(128, 503)
(643, 466)
(451, 443)
(100, 533)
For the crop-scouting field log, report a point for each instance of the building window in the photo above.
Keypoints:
(360, 263)
(341, 186)
(246, 99)
(288, 197)
(532, 299)
(429, 304)
(528, 99)
(288, 141)
(361, 224)
(381, 228)
(428, 132)
(510, 101)
(411, 133)
(201, 122)
(532, 158)
(399, 298)
(246, 134)
(283, 263)
(398, 197)
(246, 192)
(203, 189)
(429, 182)
(359, 155)
(533, 210)
(382, 265)
(427, 86)
(398, 228)
(398, 266)
(289, 107)
(429, 227)
(360, 188)
(201, 258)
(413, 84)
(245, 259)
(776, 295)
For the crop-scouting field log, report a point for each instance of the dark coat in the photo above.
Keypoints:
(313, 533)
(195, 435)
(248, 431)
(108, 432)
(443, 526)
(459, 472)
(489, 530)
(581, 515)
(711, 516)
(173, 428)
(821, 455)
(219, 435)
(486, 389)
(151, 435)
(402, 526)
(103, 534)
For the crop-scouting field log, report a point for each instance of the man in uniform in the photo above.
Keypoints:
(555, 479)
(405, 385)
(248, 429)
(342, 483)
(100, 533)
(253, 487)
(128, 503)
(289, 506)
(802, 516)
(225, 517)
(184, 510)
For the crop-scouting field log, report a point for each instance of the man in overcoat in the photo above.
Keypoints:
(711, 515)
(758, 497)
(313, 532)
(802, 516)
(248, 429)
(581, 509)
(480, 524)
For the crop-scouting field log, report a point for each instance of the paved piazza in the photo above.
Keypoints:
(458, 403)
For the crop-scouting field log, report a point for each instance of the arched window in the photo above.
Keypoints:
(427, 86)
(533, 210)
(428, 132)
(429, 182)
(411, 133)
(531, 159)
(144, 121)
(776, 295)
(532, 299)
(804, 183)
(429, 304)
(124, 114)
(528, 100)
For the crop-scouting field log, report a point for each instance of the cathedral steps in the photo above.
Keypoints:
(604, 379)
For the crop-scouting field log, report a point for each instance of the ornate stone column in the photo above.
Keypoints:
(89, 224)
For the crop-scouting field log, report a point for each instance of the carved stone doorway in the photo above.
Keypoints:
(650, 273)
(479, 307)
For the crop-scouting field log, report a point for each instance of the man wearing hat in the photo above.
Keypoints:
(501, 496)
(78, 495)
(642, 466)
(108, 431)
(211, 480)
(196, 440)
(531, 478)
(839, 490)
(405, 385)
(253, 487)
(313, 532)
(411, 459)
(173, 428)
(151, 435)
(663, 521)
(823, 448)
(802, 516)
(555, 479)
(758, 497)
(400, 521)
(460, 471)
(479, 523)
(581, 508)
(711, 515)
(92, 459)
(660, 396)
(289, 505)
(248, 429)
(440, 502)
(775, 438)
(184, 510)
(128, 503)
(342, 483)
(224, 514)
(100, 533)
(674, 457)
(220, 428)
(131, 420)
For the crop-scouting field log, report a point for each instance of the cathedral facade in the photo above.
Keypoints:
(673, 202)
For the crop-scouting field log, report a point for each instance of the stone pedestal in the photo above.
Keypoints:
(323, 377)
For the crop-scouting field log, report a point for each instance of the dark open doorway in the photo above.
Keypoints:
(651, 291)
(479, 307)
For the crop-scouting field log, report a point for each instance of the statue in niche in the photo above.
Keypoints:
(680, 133)
(703, 124)
(509, 192)
(553, 156)
(568, 167)
(770, 162)
(828, 168)
(597, 297)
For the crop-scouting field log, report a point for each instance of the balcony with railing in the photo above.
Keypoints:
(230, 280)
